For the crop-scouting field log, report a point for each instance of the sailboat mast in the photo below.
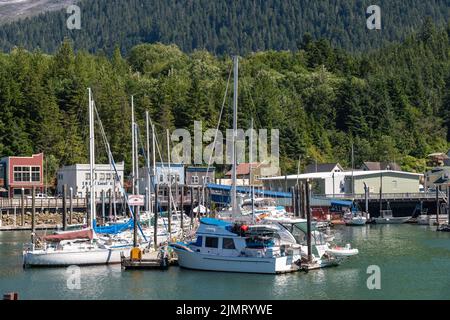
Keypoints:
(154, 151)
(353, 166)
(235, 106)
(91, 160)
(251, 182)
(149, 190)
(169, 175)
(132, 146)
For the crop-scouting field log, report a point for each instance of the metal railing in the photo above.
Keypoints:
(376, 195)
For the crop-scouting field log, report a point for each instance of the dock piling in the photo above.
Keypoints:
(308, 222)
(22, 203)
(155, 222)
(70, 205)
(64, 205)
(33, 215)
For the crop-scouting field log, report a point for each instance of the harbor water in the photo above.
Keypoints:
(413, 260)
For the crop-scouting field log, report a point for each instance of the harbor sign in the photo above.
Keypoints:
(136, 200)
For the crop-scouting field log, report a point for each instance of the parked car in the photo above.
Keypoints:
(41, 196)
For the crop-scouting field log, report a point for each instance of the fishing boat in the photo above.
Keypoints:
(234, 247)
(272, 246)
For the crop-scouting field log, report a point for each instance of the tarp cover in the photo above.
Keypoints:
(115, 228)
(72, 235)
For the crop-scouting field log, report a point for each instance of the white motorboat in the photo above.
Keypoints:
(224, 246)
(431, 219)
(346, 251)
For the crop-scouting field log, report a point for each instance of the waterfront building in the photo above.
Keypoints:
(199, 176)
(78, 178)
(17, 173)
(249, 174)
(163, 175)
(342, 183)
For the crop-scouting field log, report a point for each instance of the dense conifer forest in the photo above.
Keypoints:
(223, 26)
(392, 103)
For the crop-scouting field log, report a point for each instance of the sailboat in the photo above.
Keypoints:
(81, 247)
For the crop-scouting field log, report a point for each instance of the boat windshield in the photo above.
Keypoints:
(299, 231)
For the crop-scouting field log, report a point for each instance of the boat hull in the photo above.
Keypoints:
(393, 220)
(355, 222)
(207, 262)
(63, 259)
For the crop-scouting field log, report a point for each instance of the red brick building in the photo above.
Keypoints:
(21, 172)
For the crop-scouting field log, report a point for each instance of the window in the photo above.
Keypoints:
(26, 174)
(108, 176)
(87, 176)
(194, 179)
(228, 243)
(394, 184)
(206, 179)
(211, 242)
(199, 241)
(102, 176)
(161, 178)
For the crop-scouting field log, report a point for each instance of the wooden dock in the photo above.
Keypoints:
(150, 261)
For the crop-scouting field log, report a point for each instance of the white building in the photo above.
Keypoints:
(343, 183)
(78, 178)
(163, 175)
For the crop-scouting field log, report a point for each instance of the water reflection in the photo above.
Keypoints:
(413, 260)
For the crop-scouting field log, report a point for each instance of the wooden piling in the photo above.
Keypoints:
(182, 207)
(88, 211)
(308, 222)
(64, 204)
(293, 200)
(33, 214)
(155, 219)
(437, 205)
(103, 195)
(70, 205)
(110, 207)
(22, 215)
(169, 211)
(192, 206)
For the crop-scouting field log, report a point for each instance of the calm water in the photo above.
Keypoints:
(414, 262)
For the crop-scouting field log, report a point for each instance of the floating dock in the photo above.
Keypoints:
(150, 260)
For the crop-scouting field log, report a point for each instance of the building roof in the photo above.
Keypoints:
(442, 180)
(372, 165)
(324, 175)
(322, 167)
(244, 168)
(438, 154)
